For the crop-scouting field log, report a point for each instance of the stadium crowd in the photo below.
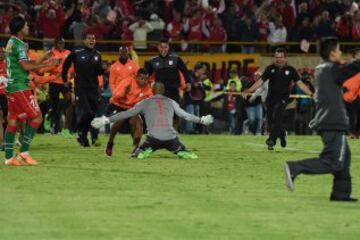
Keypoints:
(188, 21)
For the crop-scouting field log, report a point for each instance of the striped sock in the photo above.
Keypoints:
(9, 144)
(27, 138)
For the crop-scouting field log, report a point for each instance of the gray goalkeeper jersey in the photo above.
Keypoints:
(159, 113)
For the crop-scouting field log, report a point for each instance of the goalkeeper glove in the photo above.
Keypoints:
(206, 120)
(99, 122)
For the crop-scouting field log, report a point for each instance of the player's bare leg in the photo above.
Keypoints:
(114, 130)
(136, 124)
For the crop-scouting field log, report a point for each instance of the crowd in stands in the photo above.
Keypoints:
(188, 21)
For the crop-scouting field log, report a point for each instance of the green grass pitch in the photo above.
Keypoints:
(235, 190)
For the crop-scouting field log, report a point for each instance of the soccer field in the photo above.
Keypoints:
(235, 190)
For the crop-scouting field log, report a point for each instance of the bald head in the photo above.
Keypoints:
(158, 88)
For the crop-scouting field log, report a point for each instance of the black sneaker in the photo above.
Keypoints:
(83, 141)
(270, 144)
(344, 199)
(283, 140)
(289, 178)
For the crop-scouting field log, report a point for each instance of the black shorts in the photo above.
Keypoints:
(113, 109)
(3, 105)
(173, 145)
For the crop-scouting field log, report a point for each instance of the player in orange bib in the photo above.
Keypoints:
(128, 93)
(57, 86)
(123, 68)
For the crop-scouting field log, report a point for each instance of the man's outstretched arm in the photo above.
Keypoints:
(206, 120)
(102, 121)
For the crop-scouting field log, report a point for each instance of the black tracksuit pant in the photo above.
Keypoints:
(275, 117)
(335, 159)
(86, 105)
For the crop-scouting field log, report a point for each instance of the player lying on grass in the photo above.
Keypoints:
(159, 113)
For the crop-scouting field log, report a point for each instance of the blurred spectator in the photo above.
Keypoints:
(140, 30)
(234, 78)
(263, 27)
(305, 31)
(124, 8)
(254, 112)
(101, 8)
(193, 28)
(173, 30)
(343, 27)
(304, 107)
(194, 97)
(50, 21)
(278, 32)
(77, 29)
(356, 27)
(100, 28)
(231, 23)
(250, 33)
(324, 26)
(303, 13)
(287, 12)
(157, 33)
(233, 107)
(215, 32)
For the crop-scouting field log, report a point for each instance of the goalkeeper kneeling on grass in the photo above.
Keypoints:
(159, 113)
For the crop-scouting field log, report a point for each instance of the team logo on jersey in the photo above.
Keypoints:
(157, 63)
(287, 72)
(82, 57)
(96, 58)
(171, 62)
(141, 95)
(117, 69)
(273, 70)
(130, 67)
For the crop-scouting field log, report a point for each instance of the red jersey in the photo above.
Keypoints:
(195, 29)
(173, 30)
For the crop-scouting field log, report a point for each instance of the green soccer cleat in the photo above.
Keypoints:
(47, 124)
(66, 133)
(186, 155)
(145, 154)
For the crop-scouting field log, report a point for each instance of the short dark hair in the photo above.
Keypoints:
(355, 51)
(327, 45)
(16, 24)
(142, 71)
(59, 40)
(123, 47)
(85, 34)
(198, 66)
(280, 50)
(164, 40)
